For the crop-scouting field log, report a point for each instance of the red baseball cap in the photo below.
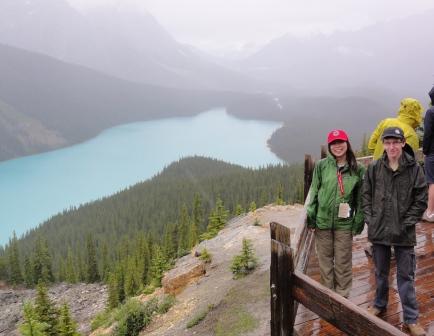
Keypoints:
(337, 135)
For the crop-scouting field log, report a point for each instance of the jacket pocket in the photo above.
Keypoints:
(375, 231)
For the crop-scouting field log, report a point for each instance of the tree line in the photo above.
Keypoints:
(129, 239)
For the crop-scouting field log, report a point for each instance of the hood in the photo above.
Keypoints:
(431, 95)
(410, 112)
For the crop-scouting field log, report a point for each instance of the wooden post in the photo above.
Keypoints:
(281, 270)
(308, 173)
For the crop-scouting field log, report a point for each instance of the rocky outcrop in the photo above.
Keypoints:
(186, 271)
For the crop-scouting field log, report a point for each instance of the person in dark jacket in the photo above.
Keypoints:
(394, 197)
(428, 150)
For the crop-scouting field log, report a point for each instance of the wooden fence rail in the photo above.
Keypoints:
(290, 286)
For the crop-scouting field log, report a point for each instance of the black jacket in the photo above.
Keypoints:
(393, 201)
(428, 125)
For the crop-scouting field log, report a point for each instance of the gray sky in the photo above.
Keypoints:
(222, 26)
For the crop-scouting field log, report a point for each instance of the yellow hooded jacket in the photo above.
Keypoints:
(409, 117)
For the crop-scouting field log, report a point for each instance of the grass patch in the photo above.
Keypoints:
(199, 316)
(166, 304)
(235, 321)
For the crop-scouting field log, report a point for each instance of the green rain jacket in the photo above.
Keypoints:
(409, 117)
(325, 197)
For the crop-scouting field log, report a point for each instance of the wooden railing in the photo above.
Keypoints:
(290, 285)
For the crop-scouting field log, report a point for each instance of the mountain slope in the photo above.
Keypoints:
(76, 102)
(122, 41)
(21, 135)
(395, 55)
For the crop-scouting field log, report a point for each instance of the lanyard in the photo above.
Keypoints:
(340, 182)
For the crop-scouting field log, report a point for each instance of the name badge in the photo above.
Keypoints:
(344, 210)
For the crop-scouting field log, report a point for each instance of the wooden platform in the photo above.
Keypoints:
(363, 291)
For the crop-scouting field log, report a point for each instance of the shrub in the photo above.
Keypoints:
(205, 255)
(103, 319)
(245, 262)
(166, 304)
(199, 316)
(133, 316)
(149, 289)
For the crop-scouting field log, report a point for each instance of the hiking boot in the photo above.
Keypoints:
(376, 311)
(415, 329)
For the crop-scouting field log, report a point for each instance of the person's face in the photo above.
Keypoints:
(393, 147)
(339, 148)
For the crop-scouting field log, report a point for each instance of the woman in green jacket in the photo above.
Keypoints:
(334, 211)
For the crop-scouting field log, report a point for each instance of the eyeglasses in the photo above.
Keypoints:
(392, 143)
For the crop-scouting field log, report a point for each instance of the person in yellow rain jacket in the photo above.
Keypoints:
(409, 117)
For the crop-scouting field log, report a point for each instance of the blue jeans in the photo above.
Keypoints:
(406, 266)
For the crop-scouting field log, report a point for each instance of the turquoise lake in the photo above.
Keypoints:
(34, 188)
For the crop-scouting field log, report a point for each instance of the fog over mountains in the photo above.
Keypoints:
(395, 56)
(65, 76)
(121, 41)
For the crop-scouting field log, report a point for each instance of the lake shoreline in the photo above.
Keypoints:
(39, 185)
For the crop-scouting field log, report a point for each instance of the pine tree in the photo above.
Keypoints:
(193, 235)
(31, 325)
(120, 281)
(158, 266)
(132, 281)
(264, 199)
(184, 226)
(70, 273)
(145, 258)
(46, 311)
(67, 326)
(3, 268)
(239, 210)
(15, 274)
(170, 240)
(105, 262)
(245, 262)
(60, 276)
(41, 261)
(113, 291)
(198, 212)
(217, 220)
(28, 273)
(91, 261)
(279, 195)
(81, 269)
